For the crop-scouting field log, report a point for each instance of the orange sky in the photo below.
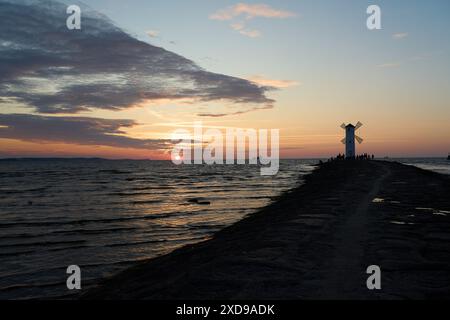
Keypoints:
(395, 81)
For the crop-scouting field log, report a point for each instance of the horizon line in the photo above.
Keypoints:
(149, 159)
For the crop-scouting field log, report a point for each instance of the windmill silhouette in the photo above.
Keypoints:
(350, 137)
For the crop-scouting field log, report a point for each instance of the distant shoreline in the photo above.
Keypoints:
(124, 159)
(315, 242)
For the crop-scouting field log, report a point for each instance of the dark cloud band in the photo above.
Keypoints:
(74, 130)
(55, 70)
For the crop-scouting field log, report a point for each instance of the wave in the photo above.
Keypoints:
(108, 215)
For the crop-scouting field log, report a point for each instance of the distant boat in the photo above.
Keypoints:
(448, 157)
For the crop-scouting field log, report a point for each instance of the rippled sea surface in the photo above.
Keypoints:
(440, 165)
(105, 215)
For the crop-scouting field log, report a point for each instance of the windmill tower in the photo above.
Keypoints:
(350, 137)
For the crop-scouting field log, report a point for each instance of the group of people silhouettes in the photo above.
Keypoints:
(364, 156)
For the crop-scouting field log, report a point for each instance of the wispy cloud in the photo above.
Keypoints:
(245, 12)
(274, 83)
(240, 27)
(424, 56)
(399, 35)
(152, 33)
(389, 65)
(100, 67)
(408, 61)
(250, 11)
(250, 33)
(233, 113)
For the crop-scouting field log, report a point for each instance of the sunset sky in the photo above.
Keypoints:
(140, 69)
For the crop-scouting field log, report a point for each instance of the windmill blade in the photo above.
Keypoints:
(343, 126)
(343, 141)
(358, 125)
(359, 139)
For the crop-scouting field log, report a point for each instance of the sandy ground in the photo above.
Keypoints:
(316, 242)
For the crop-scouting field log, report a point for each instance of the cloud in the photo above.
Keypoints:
(51, 69)
(250, 33)
(250, 11)
(279, 84)
(152, 33)
(389, 65)
(74, 130)
(400, 35)
(234, 113)
(240, 27)
(406, 61)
